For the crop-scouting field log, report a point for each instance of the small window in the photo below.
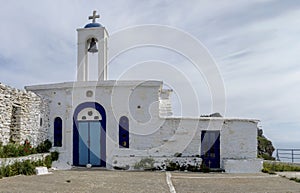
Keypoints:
(57, 132)
(41, 122)
(124, 132)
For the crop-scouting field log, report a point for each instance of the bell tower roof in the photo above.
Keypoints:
(90, 25)
(93, 18)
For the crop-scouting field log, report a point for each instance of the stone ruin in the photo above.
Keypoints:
(23, 116)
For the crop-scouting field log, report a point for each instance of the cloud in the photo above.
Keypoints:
(255, 44)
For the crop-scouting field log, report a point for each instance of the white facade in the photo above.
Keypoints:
(146, 106)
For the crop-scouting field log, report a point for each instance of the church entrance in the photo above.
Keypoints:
(89, 138)
(210, 148)
(89, 142)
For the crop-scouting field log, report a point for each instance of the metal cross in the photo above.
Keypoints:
(94, 16)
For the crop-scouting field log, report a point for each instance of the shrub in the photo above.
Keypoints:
(172, 166)
(44, 147)
(26, 167)
(16, 150)
(204, 168)
(145, 163)
(48, 161)
(10, 150)
(54, 156)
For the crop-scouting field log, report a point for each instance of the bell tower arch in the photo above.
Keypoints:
(92, 39)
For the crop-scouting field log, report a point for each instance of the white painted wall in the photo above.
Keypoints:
(150, 135)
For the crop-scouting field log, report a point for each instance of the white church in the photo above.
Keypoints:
(116, 124)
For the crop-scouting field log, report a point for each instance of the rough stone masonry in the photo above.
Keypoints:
(23, 116)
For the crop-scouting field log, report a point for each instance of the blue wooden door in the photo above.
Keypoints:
(89, 143)
(94, 128)
(210, 148)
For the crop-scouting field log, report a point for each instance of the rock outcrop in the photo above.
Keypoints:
(265, 147)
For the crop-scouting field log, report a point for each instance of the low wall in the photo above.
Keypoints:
(129, 163)
(33, 157)
(242, 165)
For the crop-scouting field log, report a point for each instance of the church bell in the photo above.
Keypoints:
(93, 46)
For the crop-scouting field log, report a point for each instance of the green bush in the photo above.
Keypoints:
(48, 161)
(24, 168)
(17, 150)
(175, 166)
(172, 166)
(54, 156)
(44, 147)
(10, 150)
(204, 168)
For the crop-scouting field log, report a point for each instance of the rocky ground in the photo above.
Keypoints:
(118, 181)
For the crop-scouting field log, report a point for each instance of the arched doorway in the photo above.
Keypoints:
(89, 135)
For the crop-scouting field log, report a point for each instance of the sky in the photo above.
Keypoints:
(254, 44)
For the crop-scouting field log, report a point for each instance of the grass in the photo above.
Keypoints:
(272, 167)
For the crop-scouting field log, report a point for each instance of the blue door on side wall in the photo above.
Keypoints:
(210, 148)
(89, 142)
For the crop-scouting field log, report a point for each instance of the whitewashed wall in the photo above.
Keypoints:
(150, 134)
(126, 98)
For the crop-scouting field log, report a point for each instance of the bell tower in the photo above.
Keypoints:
(92, 39)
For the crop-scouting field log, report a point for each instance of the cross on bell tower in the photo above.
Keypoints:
(94, 16)
(92, 38)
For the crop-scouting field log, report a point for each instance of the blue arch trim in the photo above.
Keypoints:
(124, 132)
(101, 110)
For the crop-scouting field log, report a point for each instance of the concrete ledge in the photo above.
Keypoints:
(243, 165)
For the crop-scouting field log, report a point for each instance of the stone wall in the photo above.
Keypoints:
(34, 157)
(23, 115)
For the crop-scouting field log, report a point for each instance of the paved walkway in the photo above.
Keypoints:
(131, 182)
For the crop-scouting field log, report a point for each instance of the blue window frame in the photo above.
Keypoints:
(58, 132)
(124, 132)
